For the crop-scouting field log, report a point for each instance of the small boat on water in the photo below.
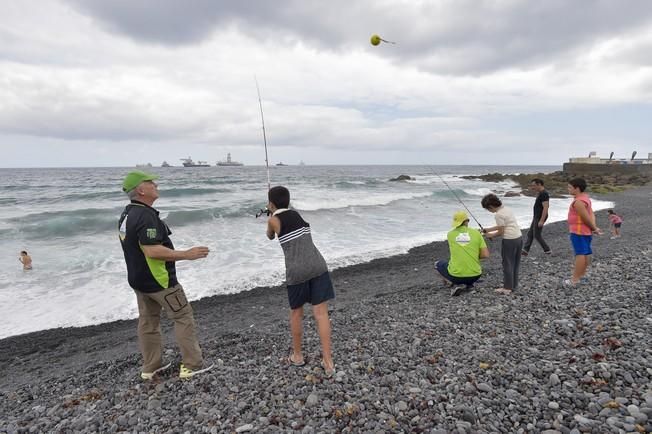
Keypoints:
(280, 163)
(187, 162)
(165, 164)
(229, 162)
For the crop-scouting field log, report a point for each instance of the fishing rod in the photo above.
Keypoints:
(262, 118)
(460, 201)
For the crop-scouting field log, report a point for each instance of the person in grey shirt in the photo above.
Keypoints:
(306, 274)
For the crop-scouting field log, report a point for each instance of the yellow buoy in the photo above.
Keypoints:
(376, 40)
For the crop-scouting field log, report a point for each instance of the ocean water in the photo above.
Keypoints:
(67, 220)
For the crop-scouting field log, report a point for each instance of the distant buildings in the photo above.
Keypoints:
(606, 166)
(594, 159)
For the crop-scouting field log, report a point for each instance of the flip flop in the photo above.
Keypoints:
(294, 363)
(328, 373)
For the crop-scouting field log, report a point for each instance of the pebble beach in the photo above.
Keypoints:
(409, 357)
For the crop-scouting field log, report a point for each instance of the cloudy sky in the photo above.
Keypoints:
(120, 82)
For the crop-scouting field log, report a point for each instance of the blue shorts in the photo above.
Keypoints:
(581, 244)
(442, 267)
(314, 291)
(617, 225)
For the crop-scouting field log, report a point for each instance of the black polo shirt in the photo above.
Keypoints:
(139, 226)
(538, 203)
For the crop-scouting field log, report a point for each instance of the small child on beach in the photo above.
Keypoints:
(306, 274)
(615, 221)
(26, 260)
(512, 243)
(582, 226)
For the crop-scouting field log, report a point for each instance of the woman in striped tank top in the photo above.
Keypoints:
(306, 275)
(582, 226)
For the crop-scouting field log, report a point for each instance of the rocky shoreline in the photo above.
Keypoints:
(556, 182)
(409, 357)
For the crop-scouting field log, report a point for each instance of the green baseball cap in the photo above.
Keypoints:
(133, 180)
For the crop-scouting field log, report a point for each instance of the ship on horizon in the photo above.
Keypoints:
(229, 162)
(187, 162)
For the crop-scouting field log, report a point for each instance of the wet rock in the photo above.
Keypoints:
(402, 178)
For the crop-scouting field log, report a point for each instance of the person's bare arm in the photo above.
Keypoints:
(484, 253)
(158, 251)
(273, 227)
(496, 231)
(544, 214)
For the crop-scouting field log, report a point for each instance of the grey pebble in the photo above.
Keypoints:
(312, 400)
(484, 387)
(468, 416)
(244, 428)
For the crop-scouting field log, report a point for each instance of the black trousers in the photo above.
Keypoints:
(510, 251)
(535, 232)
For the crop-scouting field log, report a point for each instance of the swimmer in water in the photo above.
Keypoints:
(26, 260)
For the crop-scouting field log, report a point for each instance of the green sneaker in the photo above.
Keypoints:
(189, 373)
(150, 375)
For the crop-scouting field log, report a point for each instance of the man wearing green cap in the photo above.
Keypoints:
(150, 257)
(467, 247)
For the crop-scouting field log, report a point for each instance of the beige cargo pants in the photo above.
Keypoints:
(173, 301)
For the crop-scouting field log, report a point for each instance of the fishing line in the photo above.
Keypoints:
(460, 201)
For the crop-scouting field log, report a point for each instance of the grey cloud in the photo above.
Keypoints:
(636, 55)
(451, 37)
(54, 110)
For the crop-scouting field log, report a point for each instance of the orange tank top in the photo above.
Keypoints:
(575, 223)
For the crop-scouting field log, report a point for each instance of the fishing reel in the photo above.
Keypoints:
(263, 211)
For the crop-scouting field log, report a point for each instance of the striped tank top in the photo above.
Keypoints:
(302, 259)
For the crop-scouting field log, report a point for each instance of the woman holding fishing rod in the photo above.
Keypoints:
(512, 244)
